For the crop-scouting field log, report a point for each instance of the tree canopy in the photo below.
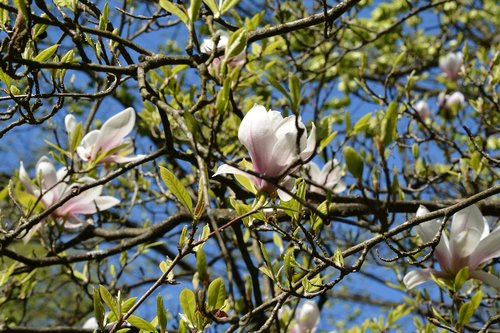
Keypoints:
(249, 166)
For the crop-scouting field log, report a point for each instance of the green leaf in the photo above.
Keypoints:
(287, 264)
(278, 86)
(465, 314)
(161, 314)
(199, 209)
(98, 309)
(175, 9)
(46, 54)
(246, 182)
(141, 323)
(213, 7)
(188, 303)
(194, 10)
(362, 123)
(354, 162)
(389, 128)
(338, 258)
(22, 5)
(5, 78)
(237, 43)
(227, 5)
(294, 86)
(177, 189)
(201, 264)
(104, 19)
(109, 300)
(216, 294)
(462, 276)
(222, 100)
(476, 299)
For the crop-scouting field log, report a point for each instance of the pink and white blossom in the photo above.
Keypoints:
(470, 244)
(109, 144)
(306, 318)
(329, 177)
(423, 110)
(208, 45)
(275, 148)
(450, 64)
(456, 100)
(51, 186)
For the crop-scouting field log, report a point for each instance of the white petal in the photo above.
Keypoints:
(415, 278)
(114, 130)
(257, 134)
(488, 248)
(427, 231)
(70, 124)
(25, 179)
(227, 169)
(289, 184)
(466, 230)
(122, 159)
(47, 172)
(308, 315)
(86, 148)
(311, 144)
(487, 278)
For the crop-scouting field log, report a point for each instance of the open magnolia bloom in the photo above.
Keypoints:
(450, 64)
(53, 188)
(306, 318)
(470, 244)
(108, 144)
(274, 148)
(329, 177)
(208, 45)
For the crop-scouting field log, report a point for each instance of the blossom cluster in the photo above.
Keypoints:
(106, 145)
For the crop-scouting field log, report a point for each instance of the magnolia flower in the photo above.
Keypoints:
(328, 177)
(273, 146)
(108, 144)
(470, 244)
(450, 64)
(207, 46)
(423, 110)
(91, 324)
(453, 101)
(53, 188)
(307, 318)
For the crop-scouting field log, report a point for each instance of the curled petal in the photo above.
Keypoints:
(466, 230)
(308, 316)
(289, 184)
(311, 144)
(488, 248)
(415, 278)
(487, 278)
(86, 148)
(70, 123)
(114, 130)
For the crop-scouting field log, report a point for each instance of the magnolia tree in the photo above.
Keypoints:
(249, 166)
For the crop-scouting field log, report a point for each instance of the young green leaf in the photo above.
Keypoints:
(161, 314)
(46, 54)
(216, 294)
(188, 303)
(175, 9)
(141, 323)
(109, 300)
(104, 19)
(354, 162)
(194, 10)
(227, 5)
(201, 264)
(177, 189)
(98, 309)
(213, 7)
(389, 128)
(237, 43)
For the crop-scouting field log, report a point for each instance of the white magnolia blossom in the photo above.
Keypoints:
(329, 177)
(451, 101)
(470, 244)
(306, 318)
(208, 45)
(450, 64)
(108, 144)
(53, 188)
(274, 149)
(423, 110)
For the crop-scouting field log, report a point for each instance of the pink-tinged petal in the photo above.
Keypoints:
(311, 144)
(487, 278)
(314, 173)
(114, 130)
(488, 248)
(308, 315)
(450, 64)
(71, 222)
(227, 169)
(423, 110)
(81, 204)
(427, 231)
(106, 202)
(70, 124)
(86, 148)
(466, 230)
(415, 278)
(284, 153)
(257, 134)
